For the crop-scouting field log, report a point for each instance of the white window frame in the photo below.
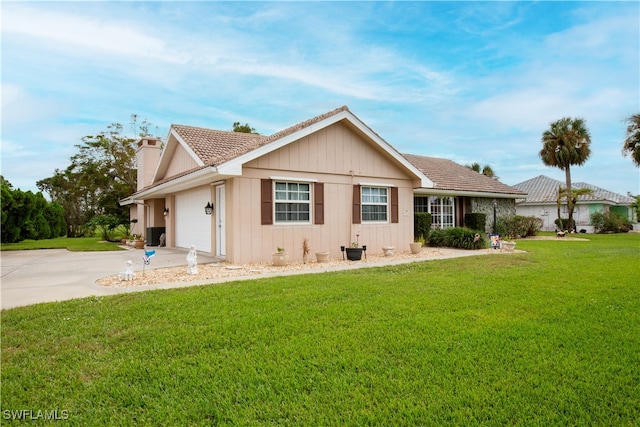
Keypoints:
(438, 218)
(287, 201)
(368, 202)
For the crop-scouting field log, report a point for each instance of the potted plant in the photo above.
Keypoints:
(138, 241)
(280, 257)
(322, 256)
(354, 253)
(508, 244)
(416, 246)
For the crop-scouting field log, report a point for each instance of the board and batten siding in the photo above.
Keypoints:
(181, 161)
(337, 158)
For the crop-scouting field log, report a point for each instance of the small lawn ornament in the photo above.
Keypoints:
(495, 241)
(146, 259)
(192, 261)
(127, 273)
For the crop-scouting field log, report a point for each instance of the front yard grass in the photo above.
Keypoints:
(75, 244)
(550, 337)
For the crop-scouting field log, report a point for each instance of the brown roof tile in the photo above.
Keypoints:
(215, 147)
(448, 175)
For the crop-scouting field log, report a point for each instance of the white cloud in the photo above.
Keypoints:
(60, 30)
(12, 150)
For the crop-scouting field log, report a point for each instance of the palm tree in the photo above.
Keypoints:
(488, 171)
(566, 143)
(632, 143)
(485, 170)
(572, 195)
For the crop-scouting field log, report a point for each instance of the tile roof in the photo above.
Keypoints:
(448, 175)
(543, 189)
(215, 147)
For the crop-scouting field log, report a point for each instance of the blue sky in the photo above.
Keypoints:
(467, 81)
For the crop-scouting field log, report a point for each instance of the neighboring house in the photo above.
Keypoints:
(542, 202)
(331, 180)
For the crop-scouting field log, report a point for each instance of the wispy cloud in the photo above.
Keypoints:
(471, 81)
(63, 31)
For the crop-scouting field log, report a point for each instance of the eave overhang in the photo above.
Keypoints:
(483, 194)
(203, 176)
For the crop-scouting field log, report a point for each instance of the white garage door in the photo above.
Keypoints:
(193, 226)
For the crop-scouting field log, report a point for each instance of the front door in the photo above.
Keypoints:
(221, 243)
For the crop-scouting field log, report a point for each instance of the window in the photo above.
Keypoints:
(292, 202)
(441, 209)
(374, 204)
(421, 204)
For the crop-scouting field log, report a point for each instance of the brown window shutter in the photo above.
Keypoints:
(394, 205)
(318, 197)
(357, 215)
(266, 201)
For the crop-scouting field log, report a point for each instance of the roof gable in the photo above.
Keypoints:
(450, 176)
(228, 151)
(223, 153)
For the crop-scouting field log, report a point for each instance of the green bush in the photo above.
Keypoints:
(610, 222)
(475, 221)
(457, 237)
(519, 226)
(26, 215)
(421, 224)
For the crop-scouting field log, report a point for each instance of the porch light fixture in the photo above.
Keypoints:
(208, 209)
(166, 211)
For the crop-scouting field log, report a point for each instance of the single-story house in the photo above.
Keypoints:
(542, 202)
(331, 180)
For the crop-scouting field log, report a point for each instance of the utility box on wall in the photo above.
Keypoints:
(153, 235)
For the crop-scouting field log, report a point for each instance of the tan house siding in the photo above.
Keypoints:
(332, 150)
(334, 153)
(181, 161)
(337, 158)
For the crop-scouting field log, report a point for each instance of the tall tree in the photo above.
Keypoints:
(566, 143)
(26, 215)
(101, 173)
(245, 128)
(573, 195)
(485, 170)
(632, 142)
(488, 171)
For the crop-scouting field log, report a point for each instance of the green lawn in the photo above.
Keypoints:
(77, 244)
(550, 337)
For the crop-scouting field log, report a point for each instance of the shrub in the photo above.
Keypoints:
(610, 222)
(421, 224)
(457, 237)
(475, 221)
(519, 226)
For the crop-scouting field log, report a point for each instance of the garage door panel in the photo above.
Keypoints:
(193, 226)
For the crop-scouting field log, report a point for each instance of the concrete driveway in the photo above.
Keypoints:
(31, 277)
